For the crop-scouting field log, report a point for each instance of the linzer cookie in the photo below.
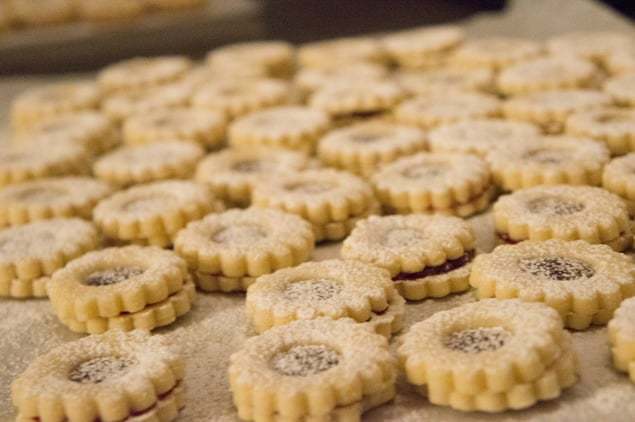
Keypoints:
(148, 163)
(548, 160)
(622, 337)
(480, 136)
(334, 288)
(234, 98)
(153, 213)
(427, 256)
(274, 57)
(143, 73)
(125, 104)
(422, 47)
(42, 103)
(228, 251)
(619, 178)
(312, 370)
(232, 173)
(458, 184)
(291, 127)
(203, 127)
(310, 79)
(437, 109)
(495, 52)
(331, 200)
(38, 12)
(363, 147)
(550, 109)
(491, 356)
(49, 198)
(112, 10)
(116, 376)
(566, 213)
(622, 89)
(342, 51)
(613, 126)
(590, 45)
(444, 80)
(585, 283)
(30, 254)
(546, 74)
(121, 288)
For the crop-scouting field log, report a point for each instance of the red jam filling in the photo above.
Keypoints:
(446, 267)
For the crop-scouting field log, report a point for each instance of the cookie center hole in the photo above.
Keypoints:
(546, 156)
(97, 370)
(40, 194)
(310, 187)
(312, 291)
(403, 237)
(112, 276)
(554, 206)
(301, 361)
(240, 234)
(425, 171)
(556, 268)
(146, 203)
(248, 166)
(477, 340)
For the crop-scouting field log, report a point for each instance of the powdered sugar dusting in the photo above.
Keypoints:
(300, 361)
(477, 340)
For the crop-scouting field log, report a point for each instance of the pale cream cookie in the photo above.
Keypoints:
(429, 182)
(479, 136)
(125, 104)
(31, 253)
(142, 72)
(613, 126)
(622, 89)
(334, 288)
(619, 178)
(590, 45)
(41, 103)
(42, 12)
(200, 75)
(422, 47)
(495, 52)
(437, 108)
(276, 58)
(585, 283)
(427, 256)
(310, 79)
(339, 230)
(312, 370)
(548, 160)
(621, 62)
(492, 355)
(364, 147)
(341, 51)
(133, 165)
(155, 210)
(111, 10)
(232, 173)
(116, 376)
(563, 212)
(234, 98)
(546, 74)
(49, 198)
(621, 331)
(289, 127)
(204, 127)
(245, 244)
(550, 109)
(444, 80)
(390, 320)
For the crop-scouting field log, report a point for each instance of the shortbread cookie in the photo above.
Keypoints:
(585, 283)
(590, 45)
(341, 51)
(357, 98)
(391, 320)
(437, 109)
(115, 376)
(444, 80)
(492, 350)
(479, 136)
(334, 288)
(148, 163)
(312, 370)
(30, 254)
(49, 198)
(125, 104)
(232, 173)
(319, 196)
(621, 331)
(613, 126)
(426, 182)
(244, 243)
(622, 89)
(234, 98)
(203, 74)
(39, 104)
(621, 62)
(203, 127)
(619, 178)
(310, 79)
(550, 109)
(41, 12)
(290, 127)
(363, 147)
(143, 73)
(112, 281)
(112, 10)
(274, 57)
(495, 52)
(154, 209)
(546, 74)
(427, 256)
(548, 160)
(339, 230)
(563, 212)
(422, 47)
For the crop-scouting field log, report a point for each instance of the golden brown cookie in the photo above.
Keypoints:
(143, 73)
(619, 178)
(613, 126)
(422, 47)
(342, 51)
(444, 80)
(495, 52)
